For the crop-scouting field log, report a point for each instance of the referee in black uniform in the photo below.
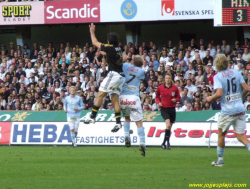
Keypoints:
(166, 97)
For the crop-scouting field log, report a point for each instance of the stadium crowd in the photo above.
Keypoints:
(38, 79)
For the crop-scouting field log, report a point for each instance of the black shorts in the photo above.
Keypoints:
(168, 113)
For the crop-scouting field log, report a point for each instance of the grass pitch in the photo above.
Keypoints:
(37, 167)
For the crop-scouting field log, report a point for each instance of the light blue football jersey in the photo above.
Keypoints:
(71, 103)
(230, 81)
(133, 76)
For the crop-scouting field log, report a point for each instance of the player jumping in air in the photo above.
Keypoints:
(72, 106)
(112, 84)
(130, 102)
(231, 89)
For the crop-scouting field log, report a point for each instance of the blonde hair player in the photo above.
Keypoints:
(230, 89)
(72, 106)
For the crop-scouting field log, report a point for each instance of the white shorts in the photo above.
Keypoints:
(112, 83)
(131, 106)
(238, 123)
(73, 123)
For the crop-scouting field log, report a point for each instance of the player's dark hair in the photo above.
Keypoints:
(113, 39)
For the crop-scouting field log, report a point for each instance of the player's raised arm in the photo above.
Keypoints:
(93, 37)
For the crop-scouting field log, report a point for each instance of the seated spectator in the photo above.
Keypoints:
(207, 106)
(216, 105)
(189, 107)
(197, 107)
(146, 107)
(110, 106)
(247, 101)
(178, 107)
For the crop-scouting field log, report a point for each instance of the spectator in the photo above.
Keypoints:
(197, 107)
(146, 107)
(207, 106)
(216, 105)
(178, 107)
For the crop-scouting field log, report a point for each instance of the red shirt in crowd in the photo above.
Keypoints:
(211, 78)
(165, 95)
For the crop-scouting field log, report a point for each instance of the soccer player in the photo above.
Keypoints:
(166, 97)
(130, 102)
(72, 106)
(231, 89)
(112, 84)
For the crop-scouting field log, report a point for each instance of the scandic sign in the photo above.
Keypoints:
(58, 133)
(72, 11)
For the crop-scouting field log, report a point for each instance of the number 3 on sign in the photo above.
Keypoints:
(240, 17)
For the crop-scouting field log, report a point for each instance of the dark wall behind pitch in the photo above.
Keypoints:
(74, 33)
(159, 32)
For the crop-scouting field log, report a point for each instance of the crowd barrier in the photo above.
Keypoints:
(51, 128)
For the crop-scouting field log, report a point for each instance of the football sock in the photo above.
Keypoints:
(118, 117)
(220, 153)
(141, 135)
(94, 112)
(167, 137)
(248, 146)
(73, 136)
(126, 126)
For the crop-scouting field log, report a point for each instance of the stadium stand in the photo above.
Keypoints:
(38, 78)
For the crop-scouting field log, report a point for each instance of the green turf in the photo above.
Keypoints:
(118, 167)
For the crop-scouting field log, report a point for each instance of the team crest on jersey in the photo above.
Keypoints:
(173, 93)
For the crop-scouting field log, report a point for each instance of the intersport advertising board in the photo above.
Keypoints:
(72, 11)
(58, 133)
(22, 13)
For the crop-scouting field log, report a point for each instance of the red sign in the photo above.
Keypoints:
(72, 11)
(5, 128)
(167, 7)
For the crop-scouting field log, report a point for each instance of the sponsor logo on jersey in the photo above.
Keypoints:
(127, 102)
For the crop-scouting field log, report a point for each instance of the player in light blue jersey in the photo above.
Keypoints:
(130, 102)
(231, 89)
(72, 106)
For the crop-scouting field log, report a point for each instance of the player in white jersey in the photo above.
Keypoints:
(231, 89)
(72, 106)
(130, 102)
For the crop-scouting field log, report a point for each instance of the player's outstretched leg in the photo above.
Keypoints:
(96, 107)
(220, 161)
(118, 124)
(93, 114)
(141, 135)
(117, 108)
(126, 127)
(73, 137)
(220, 149)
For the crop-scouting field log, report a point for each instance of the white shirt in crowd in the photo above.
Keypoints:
(246, 57)
(28, 71)
(26, 81)
(202, 54)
